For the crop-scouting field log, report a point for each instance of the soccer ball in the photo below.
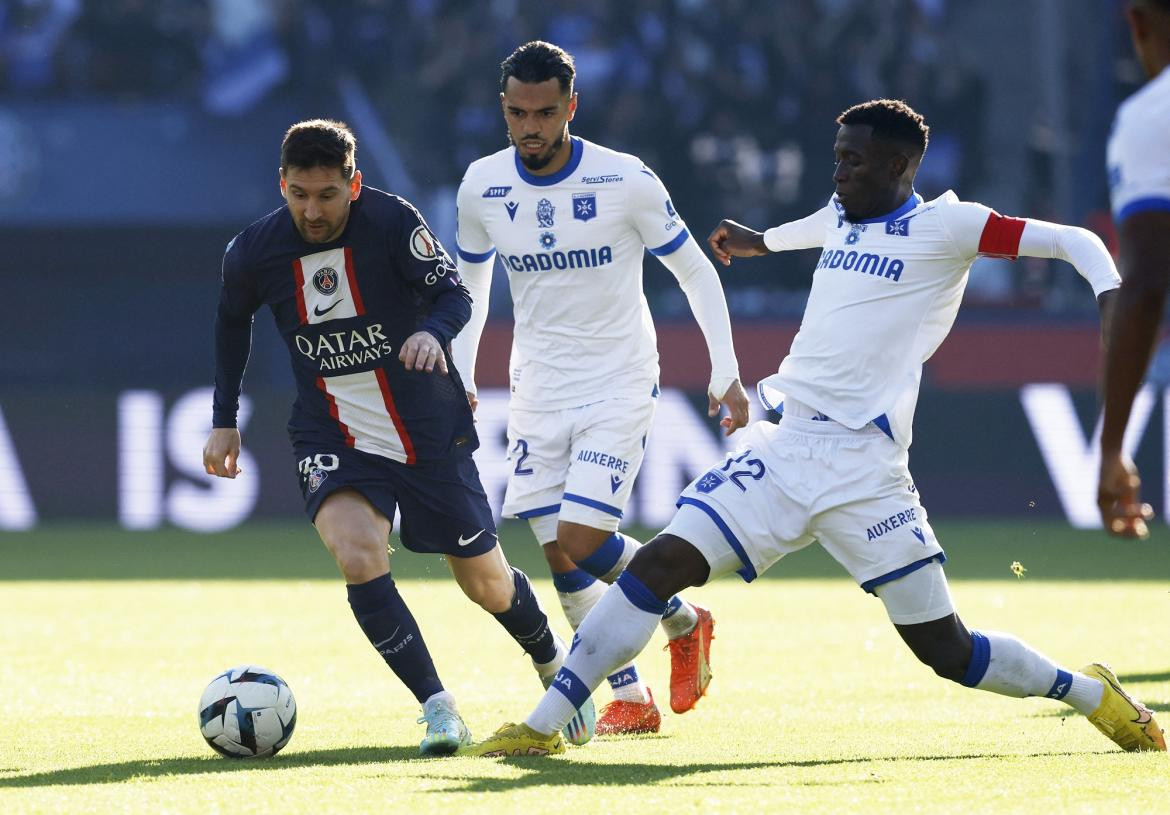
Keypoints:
(247, 712)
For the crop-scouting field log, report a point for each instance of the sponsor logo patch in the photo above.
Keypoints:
(544, 213)
(496, 192)
(547, 240)
(422, 243)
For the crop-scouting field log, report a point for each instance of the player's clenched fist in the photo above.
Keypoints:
(1119, 499)
(736, 402)
(730, 239)
(422, 352)
(221, 452)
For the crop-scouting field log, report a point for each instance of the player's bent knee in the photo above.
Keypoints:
(578, 541)
(359, 561)
(667, 565)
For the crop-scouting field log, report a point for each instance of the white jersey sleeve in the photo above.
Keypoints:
(666, 237)
(1138, 154)
(653, 215)
(807, 233)
(475, 257)
(979, 230)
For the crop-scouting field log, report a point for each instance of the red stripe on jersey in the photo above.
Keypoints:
(301, 310)
(388, 399)
(349, 439)
(353, 287)
(1001, 236)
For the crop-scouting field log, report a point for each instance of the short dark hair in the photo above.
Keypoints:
(892, 120)
(539, 61)
(319, 143)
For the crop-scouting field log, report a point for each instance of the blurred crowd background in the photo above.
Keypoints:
(145, 132)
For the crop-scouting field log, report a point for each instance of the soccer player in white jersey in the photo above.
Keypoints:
(570, 221)
(884, 295)
(1139, 180)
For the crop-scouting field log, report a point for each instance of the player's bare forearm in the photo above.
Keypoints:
(731, 239)
(1132, 318)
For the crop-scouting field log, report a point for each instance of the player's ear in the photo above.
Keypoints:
(898, 165)
(355, 185)
(572, 106)
(283, 187)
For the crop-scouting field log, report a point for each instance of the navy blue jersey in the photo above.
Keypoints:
(345, 308)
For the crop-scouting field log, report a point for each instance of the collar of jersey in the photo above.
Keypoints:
(560, 175)
(913, 201)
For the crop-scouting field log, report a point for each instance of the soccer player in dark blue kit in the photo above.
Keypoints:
(367, 301)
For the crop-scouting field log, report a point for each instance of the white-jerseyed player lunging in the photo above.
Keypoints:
(570, 222)
(884, 295)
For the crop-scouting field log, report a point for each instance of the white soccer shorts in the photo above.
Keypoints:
(807, 480)
(578, 463)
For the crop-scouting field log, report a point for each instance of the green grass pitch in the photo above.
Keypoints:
(107, 639)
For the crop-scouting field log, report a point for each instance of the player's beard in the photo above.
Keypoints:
(327, 231)
(540, 160)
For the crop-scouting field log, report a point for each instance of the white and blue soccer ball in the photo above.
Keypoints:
(247, 712)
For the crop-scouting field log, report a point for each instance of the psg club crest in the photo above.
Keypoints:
(544, 213)
(325, 280)
(585, 206)
(316, 477)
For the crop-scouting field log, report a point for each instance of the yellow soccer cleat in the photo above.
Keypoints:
(1122, 718)
(516, 740)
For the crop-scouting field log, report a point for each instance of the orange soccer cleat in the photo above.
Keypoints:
(690, 663)
(621, 717)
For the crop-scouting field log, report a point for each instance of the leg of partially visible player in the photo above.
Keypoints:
(356, 534)
(919, 605)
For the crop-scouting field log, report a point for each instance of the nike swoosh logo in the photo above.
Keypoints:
(317, 309)
(392, 636)
(463, 542)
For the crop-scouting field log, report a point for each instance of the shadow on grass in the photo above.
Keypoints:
(1161, 676)
(125, 770)
(553, 772)
(543, 771)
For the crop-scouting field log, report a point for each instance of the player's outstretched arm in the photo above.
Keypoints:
(730, 239)
(736, 402)
(221, 452)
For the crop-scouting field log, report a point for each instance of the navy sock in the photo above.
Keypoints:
(526, 621)
(391, 629)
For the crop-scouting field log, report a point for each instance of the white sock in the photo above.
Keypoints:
(1012, 668)
(547, 670)
(680, 618)
(626, 683)
(446, 697)
(614, 632)
(576, 604)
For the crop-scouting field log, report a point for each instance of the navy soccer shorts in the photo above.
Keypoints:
(443, 504)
